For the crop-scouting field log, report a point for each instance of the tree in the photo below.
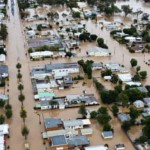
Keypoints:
(21, 98)
(19, 76)
(107, 127)
(115, 110)
(82, 110)
(3, 31)
(2, 119)
(138, 68)
(103, 119)
(69, 54)
(25, 132)
(2, 103)
(76, 15)
(23, 114)
(126, 125)
(39, 27)
(146, 129)
(8, 106)
(124, 99)
(133, 62)
(20, 87)
(93, 114)
(93, 37)
(114, 78)
(102, 110)
(100, 42)
(143, 74)
(134, 113)
(18, 66)
(8, 113)
(126, 9)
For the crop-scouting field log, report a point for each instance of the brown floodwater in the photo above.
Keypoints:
(16, 53)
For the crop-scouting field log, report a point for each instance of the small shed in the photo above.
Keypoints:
(107, 134)
(119, 147)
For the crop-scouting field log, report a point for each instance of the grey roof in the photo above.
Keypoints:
(50, 67)
(68, 80)
(107, 134)
(4, 97)
(142, 89)
(72, 123)
(58, 140)
(35, 43)
(119, 145)
(97, 65)
(44, 103)
(52, 122)
(147, 100)
(78, 140)
(3, 69)
(89, 99)
(38, 70)
(123, 117)
(98, 49)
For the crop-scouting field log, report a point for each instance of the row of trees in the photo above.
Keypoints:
(21, 98)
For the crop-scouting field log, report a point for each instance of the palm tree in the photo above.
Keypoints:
(21, 98)
(20, 87)
(18, 66)
(2, 119)
(8, 113)
(23, 114)
(25, 132)
(19, 76)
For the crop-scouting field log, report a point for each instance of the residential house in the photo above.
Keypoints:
(4, 129)
(43, 54)
(4, 97)
(119, 147)
(58, 143)
(123, 117)
(53, 124)
(73, 124)
(4, 71)
(62, 67)
(138, 104)
(107, 134)
(142, 89)
(70, 142)
(147, 101)
(114, 67)
(98, 147)
(146, 112)
(97, 66)
(98, 51)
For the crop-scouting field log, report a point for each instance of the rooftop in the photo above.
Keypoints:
(78, 140)
(50, 67)
(72, 123)
(58, 140)
(52, 122)
(123, 117)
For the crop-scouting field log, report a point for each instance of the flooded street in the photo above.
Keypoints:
(16, 53)
(16, 47)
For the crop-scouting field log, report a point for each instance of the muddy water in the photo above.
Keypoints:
(16, 53)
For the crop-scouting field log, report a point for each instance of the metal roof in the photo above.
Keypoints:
(72, 123)
(58, 140)
(123, 117)
(52, 122)
(78, 140)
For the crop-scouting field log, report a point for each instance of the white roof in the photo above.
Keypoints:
(138, 102)
(4, 129)
(125, 77)
(98, 49)
(41, 54)
(82, 4)
(98, 147)
(2, 58)
(86, 122)
(75, 9)
(133, 83)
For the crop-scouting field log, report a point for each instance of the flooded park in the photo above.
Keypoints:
(17, 46)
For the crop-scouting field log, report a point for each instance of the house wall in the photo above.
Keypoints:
(64, 147)
(54, 128)
(67, 70)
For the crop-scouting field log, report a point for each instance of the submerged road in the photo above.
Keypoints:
(16, 53)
